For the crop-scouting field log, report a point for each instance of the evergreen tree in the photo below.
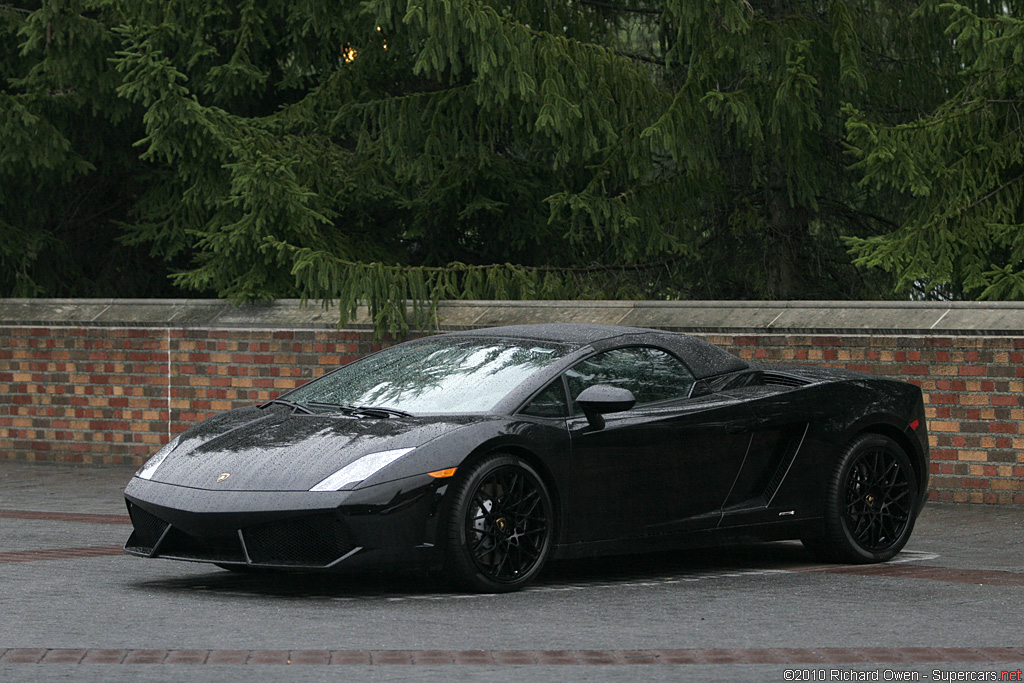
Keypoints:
(425, 149)
(68, 172)
(958, 167)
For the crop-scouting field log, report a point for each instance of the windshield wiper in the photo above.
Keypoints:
(340, 407)
(291, 404)
(368, 411)
(381, 410)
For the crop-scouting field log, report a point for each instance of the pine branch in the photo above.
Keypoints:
(12, 8)
(622, 8)
(993, 192)
(642, 58)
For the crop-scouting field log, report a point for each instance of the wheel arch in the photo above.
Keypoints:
(909, 447)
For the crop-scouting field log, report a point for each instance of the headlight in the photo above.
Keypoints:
(360, 469)
(149, 468)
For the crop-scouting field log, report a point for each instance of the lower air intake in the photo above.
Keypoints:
(185, 546)
(313, 541)
(148, 528)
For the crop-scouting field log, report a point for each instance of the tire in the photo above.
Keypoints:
(870, 503)
(500, 526)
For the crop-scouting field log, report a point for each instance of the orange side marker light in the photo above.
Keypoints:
(441, 474)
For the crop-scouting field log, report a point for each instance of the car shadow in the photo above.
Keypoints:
(661, 567)
(669, 564)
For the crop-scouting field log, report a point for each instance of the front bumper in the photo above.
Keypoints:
(391, 524)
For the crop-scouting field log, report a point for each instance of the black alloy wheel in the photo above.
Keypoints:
(871, 502)
(499, 526)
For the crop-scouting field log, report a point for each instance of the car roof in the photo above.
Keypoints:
(703, 358)
(579, 334)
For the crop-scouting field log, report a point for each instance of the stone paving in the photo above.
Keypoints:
(74, 607)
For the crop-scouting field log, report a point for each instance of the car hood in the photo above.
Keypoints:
(274, 450)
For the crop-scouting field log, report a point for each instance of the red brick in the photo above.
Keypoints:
(596, 657)
(435, 657)
(268, 657)
(826, 341)
(391, 657)
(545, 657)
(187, 657)
(145, 656)
(23, 656)
(310, 657)
(350, 657)
(473, 657)
(104, 656)
(507, 657)
(62, 656)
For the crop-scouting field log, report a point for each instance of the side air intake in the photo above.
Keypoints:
(781, 379)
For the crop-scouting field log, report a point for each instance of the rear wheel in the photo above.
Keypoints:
(870, 504)
(500, 526)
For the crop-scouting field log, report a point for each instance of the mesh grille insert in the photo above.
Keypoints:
(148, 528)
(315, 540)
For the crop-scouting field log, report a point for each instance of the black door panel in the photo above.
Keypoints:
(658, 469)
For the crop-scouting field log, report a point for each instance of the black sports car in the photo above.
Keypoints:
(486, 453)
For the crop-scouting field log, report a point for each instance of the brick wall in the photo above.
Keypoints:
(973, 392)
(112, 394)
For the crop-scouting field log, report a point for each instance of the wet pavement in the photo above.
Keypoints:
(75, 608)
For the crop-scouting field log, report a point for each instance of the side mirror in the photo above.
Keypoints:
(602, 398)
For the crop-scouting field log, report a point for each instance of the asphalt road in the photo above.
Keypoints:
(73, 608)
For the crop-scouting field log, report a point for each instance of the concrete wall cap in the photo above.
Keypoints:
(726, 317)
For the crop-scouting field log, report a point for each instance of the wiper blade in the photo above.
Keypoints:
(370, 410)
(367, 411)
(291, 404)
(332, 406)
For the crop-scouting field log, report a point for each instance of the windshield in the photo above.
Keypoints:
(434, 376)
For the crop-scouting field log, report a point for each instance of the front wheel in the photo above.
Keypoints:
(870, 503)
(499, 527)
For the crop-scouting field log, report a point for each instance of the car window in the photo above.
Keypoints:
(651, 374)
(549, 403)
(440, 375)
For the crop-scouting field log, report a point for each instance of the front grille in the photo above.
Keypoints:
(315, 540)
(148, 528)
(310, 541)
